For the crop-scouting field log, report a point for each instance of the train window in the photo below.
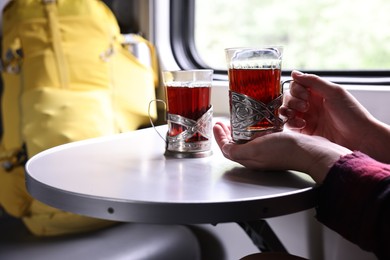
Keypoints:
(327, 35)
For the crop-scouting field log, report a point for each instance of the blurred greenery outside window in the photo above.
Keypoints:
(316, 35)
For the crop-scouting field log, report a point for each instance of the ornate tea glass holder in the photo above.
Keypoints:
(247, 112)
(177, 146)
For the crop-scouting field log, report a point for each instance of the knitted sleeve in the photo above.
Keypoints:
(354, 201)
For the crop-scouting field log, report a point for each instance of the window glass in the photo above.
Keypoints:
(315, 34)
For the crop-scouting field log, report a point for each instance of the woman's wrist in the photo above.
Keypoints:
(377, 142)
(320, 169)
(319, 155)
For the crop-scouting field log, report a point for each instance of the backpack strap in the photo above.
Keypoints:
(132, 38)
(153, 54)
(54, 29)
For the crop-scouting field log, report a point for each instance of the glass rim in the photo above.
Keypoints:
(188, 71)
(279, 47)
(183, 78)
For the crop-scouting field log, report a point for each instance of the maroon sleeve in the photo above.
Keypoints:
(354, 201)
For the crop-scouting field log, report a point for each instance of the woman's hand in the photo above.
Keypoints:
(318, 107)
(282, 151)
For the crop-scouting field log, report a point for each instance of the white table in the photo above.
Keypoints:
(126, 177)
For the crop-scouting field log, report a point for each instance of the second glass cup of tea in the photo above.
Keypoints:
(189, 112)
(255, 91)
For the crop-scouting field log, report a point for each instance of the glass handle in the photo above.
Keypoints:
(150, 118)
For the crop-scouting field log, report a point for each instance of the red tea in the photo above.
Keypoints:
(259, 84)
(189, 102)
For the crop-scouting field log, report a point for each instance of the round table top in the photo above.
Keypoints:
(126, 177)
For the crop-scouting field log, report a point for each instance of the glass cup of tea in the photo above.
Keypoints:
(189, 113)
(255, 91)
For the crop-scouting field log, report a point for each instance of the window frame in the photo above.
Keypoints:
(182, 28)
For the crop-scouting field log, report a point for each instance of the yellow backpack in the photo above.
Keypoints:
(68, 76)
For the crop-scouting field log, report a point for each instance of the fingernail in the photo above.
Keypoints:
(300, 123)
(290, 113)
(298, 73)
(226, 149)
(305, 95)
(302, 106)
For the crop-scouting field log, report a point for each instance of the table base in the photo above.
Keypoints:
(263, 236)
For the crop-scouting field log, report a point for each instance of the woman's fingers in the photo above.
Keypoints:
(222, 134)
(314, 83)
(298, 91)
(296, 104)
(223, 138)
(230, 149)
